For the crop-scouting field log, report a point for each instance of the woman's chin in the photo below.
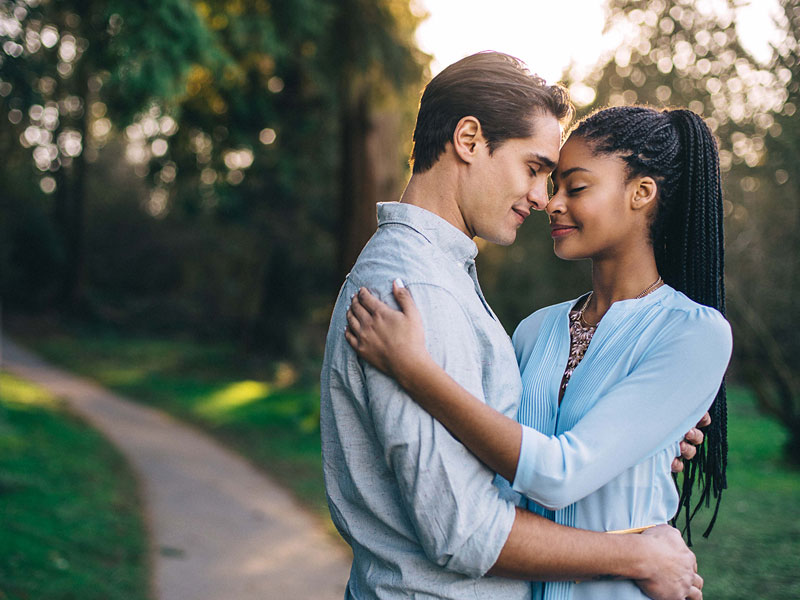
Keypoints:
(566, 253)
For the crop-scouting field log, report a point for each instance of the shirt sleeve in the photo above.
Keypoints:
(663, 397)
(458, 514)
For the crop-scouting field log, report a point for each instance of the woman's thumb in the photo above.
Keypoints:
(402, 295)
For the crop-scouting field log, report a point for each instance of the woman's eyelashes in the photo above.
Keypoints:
(576, 190)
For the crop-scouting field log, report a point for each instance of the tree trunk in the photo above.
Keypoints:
(71, 208)
(357, 183)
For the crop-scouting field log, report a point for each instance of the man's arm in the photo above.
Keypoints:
(457, 514)
(658, 560)
(461, 522)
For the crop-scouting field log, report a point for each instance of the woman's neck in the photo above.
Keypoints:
(619, 279)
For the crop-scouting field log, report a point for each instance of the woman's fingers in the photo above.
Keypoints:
(705, 421)
(404, 298)
(353, 324)
(370, 303)
(351, 339)
(359, 311)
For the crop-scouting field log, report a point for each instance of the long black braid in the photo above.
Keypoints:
(676, 148)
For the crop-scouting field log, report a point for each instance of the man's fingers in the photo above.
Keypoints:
(694, 594)
(705, 421)
(688, 451)
(694, 436)
(698, 581)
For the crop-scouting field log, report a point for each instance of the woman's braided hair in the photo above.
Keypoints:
(676, 148)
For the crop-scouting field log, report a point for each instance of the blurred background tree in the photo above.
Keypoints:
(212, 166)
(687, 54)
(680, 53)
(197, 165)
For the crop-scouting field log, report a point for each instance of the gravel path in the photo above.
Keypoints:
(219, 529)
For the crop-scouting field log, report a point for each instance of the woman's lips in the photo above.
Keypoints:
(558, 231)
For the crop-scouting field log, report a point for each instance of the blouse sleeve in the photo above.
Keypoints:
(664, 396)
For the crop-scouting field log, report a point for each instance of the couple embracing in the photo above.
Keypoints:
(460, 463)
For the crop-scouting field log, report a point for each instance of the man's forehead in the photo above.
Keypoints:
(544, 143)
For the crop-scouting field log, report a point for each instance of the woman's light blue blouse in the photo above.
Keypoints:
(601, 461)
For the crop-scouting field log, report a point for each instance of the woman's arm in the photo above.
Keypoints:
(553, 470)
(372, 330)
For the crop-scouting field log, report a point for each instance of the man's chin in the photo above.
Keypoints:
(505, 238)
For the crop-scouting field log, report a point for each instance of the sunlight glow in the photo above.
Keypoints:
(234, 396)
(549, 35)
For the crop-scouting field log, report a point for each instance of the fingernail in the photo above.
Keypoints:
(399, 283)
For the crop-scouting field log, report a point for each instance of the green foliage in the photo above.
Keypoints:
(71, 516)
(673, 53)
(237, 129)
(752, 551)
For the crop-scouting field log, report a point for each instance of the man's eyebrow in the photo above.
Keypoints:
(542, 159)
(569, 172)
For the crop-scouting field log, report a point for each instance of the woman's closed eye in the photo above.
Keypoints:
(576, 190)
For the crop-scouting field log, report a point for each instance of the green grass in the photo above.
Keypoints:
(753, 552)
(265, 410)
(70, 520)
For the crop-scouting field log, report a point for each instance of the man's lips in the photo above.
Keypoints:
(559, 230)
(523, 214)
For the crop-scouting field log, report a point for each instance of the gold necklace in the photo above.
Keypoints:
(648, 290)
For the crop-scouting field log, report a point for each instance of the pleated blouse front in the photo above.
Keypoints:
(601, 460)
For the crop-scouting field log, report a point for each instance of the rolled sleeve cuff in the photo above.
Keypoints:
(481, 550)
(531, 472)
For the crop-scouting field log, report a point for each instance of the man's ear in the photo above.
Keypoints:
(645, 193)
(467, 138)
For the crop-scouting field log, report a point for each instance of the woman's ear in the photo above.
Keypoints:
(645, 193)
(467, 138)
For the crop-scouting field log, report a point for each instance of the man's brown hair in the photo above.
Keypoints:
(495, 88)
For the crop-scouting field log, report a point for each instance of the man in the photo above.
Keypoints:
(422, 514)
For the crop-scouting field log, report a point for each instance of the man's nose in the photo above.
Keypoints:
(537, 196)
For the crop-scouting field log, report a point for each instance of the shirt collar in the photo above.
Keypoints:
(449, 239)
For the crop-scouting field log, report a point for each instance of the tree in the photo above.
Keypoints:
(265, 133)
(769, 279)
(675, 52)
(69, 66)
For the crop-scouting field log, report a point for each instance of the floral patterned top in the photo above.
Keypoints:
(579, 335)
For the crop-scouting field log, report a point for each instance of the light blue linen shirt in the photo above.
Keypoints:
(601, 461)
(420, 512)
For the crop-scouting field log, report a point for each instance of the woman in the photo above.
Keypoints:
(613, 379)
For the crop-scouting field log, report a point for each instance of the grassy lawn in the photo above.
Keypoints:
(266, 411)
(70, 522)
(754, 551)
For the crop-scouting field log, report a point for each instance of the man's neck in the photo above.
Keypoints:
(435, 192)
